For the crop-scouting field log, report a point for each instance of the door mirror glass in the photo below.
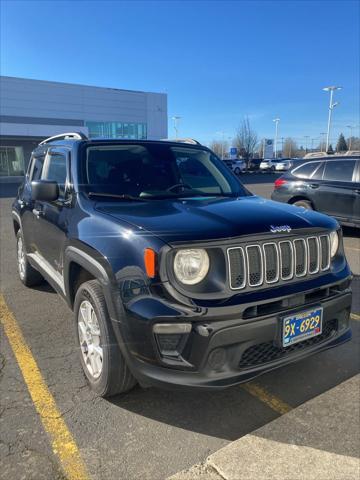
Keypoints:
(44, 190)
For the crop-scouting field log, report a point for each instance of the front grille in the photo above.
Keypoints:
(266, 263)
(268, 352)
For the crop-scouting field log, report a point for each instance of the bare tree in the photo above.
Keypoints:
(290, 148)
(220, 148)
(354, 143)
(246, 140)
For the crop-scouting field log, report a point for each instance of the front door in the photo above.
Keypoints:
(51, 218)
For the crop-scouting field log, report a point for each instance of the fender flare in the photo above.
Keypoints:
(93, 266)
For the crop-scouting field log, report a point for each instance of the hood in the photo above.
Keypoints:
(198, 219)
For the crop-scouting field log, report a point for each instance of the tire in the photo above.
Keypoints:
(304, 203)
(28, 275)
(110, 375)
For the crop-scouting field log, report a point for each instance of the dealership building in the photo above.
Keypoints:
(31, 110)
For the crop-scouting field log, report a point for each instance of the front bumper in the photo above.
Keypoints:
(233, 352)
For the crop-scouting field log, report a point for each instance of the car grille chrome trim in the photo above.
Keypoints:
(240, 276)
(311, 261)
(275, 267)
(252, 272)
(268, 263)
(300, 257)
(290, 266)
(324, 246)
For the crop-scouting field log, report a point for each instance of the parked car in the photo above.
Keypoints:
(237, 166)
(269, 164)
(286, 163)
(177, 275)
(328, 185)
(254, 164)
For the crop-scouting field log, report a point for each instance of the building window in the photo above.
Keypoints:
(11, 161)
(132, 131)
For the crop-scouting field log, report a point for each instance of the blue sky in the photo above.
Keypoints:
(218, 61)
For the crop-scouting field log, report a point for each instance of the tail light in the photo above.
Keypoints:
(279, 183)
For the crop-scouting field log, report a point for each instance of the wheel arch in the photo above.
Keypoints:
(292, 200)
(16, 222)
(81, 266)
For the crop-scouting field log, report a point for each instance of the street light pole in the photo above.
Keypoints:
(322, 140)
(176, 119)
(222, 133)
(306, 142)
(331, 107)
(276, 120)
(351, 133)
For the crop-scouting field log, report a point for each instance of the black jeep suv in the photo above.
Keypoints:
(177, 275)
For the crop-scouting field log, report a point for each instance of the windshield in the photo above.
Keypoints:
(157, 170)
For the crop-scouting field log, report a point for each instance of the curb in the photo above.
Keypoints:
(319, 440)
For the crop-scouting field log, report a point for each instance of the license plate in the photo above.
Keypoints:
(301, 326)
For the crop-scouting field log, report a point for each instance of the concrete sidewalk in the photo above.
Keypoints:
(318, 440)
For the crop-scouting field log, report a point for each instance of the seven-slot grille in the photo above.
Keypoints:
(258, 264)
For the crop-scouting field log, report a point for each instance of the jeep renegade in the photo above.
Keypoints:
(177, 275)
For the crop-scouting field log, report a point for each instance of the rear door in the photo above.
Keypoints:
(335, 193)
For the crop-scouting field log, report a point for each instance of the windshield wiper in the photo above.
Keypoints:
(205, 194)
(122, 196)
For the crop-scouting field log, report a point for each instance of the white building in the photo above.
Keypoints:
(31, 110)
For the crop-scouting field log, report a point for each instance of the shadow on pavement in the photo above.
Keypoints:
(232, 413)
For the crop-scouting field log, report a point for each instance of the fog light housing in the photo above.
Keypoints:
(171, 338)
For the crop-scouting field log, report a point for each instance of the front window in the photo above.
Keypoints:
(305, 170)
(56, 171)
(157, 171)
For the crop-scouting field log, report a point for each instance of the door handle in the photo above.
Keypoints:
(314, 185)
(38, 213)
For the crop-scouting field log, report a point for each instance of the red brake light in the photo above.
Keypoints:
(279, 182)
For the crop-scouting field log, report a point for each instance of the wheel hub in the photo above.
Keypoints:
(90, 339)
(21, 257)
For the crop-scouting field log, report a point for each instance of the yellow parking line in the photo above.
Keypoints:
(62, 441)
(354, 316)
(266, 397)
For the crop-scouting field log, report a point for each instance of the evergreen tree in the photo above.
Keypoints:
(330, 150)
(341, 144)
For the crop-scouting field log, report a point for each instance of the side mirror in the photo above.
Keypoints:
(45, 190)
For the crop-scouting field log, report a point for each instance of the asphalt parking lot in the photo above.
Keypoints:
(144, 434)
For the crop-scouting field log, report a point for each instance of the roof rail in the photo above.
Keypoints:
(315, 155)
(349, 153)
(182, 140)
(65, 136)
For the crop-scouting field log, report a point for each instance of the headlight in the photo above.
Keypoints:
(191, 265)
(334, 243)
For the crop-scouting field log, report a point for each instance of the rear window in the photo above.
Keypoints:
(340, 171)
(306, 170)
(318, 174)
